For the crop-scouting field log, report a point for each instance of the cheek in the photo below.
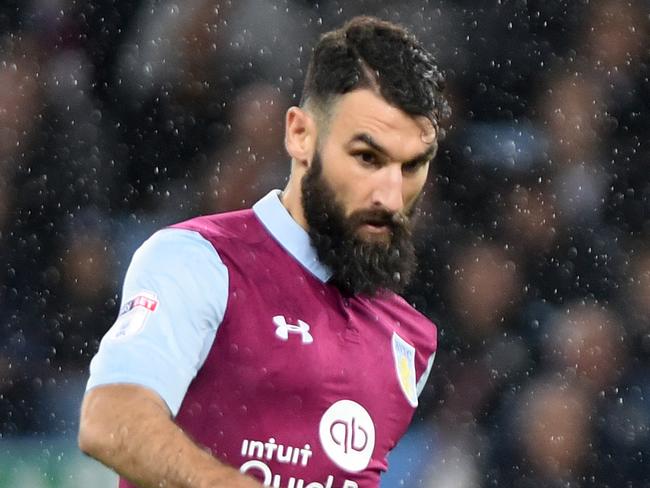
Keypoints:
(352, 195)
(412, 189)
(351, 184)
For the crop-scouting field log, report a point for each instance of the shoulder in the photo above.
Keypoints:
(240, 225)
(172, 245)
(173, 255)
(410, 320)
(400, 305)
(183, 270)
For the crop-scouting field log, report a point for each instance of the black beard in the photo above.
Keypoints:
(358, 265)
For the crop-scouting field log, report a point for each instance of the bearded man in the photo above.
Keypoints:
(270, 346)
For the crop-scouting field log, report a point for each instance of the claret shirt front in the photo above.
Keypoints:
(231, 320)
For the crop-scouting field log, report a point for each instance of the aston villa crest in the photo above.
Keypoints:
(404, 355)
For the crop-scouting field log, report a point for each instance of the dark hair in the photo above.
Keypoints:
(371, 53)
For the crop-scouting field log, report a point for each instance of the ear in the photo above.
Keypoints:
(300, 135)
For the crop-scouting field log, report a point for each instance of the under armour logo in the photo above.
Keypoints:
(283, 329)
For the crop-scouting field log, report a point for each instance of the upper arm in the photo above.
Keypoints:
(173, 300)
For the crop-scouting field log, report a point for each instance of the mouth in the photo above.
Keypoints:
(375, 225)
(375, 228)
(375, 231)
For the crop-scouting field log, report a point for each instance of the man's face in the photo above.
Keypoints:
(360, 192)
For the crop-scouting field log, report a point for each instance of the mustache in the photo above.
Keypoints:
(379, 216)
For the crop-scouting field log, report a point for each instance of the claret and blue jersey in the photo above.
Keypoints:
(231, 320)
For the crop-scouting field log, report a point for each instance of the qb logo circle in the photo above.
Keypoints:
(347, 434)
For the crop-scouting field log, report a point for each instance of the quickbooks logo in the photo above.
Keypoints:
(347, 434)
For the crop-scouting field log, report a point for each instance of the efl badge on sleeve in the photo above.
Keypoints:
(404, 355)
(133, 315)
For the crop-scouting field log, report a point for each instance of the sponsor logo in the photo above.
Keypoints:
(283, 329)
(260, 453)
(347, 434)
(279, 452)
(404, 355)
(133, 315)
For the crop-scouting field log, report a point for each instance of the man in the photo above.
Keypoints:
(268, 345)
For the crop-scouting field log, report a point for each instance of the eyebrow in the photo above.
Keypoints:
(420, 158)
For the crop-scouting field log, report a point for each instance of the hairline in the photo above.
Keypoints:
(324, 108)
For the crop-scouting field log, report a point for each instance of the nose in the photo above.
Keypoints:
(388, 192)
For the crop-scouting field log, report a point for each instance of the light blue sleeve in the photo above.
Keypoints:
(425, 376)
(174, 297)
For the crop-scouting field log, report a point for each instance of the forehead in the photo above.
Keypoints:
(363, 111)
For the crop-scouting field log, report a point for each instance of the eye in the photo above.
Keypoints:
(412, 166)
(367, 158)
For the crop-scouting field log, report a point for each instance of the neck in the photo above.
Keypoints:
(291, 199)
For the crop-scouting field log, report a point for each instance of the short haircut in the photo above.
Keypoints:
(371, 53)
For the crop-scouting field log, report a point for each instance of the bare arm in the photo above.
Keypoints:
(129, 428)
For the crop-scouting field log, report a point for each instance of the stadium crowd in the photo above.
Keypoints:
(118, 118)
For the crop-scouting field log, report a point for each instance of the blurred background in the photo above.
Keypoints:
(122, 116)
